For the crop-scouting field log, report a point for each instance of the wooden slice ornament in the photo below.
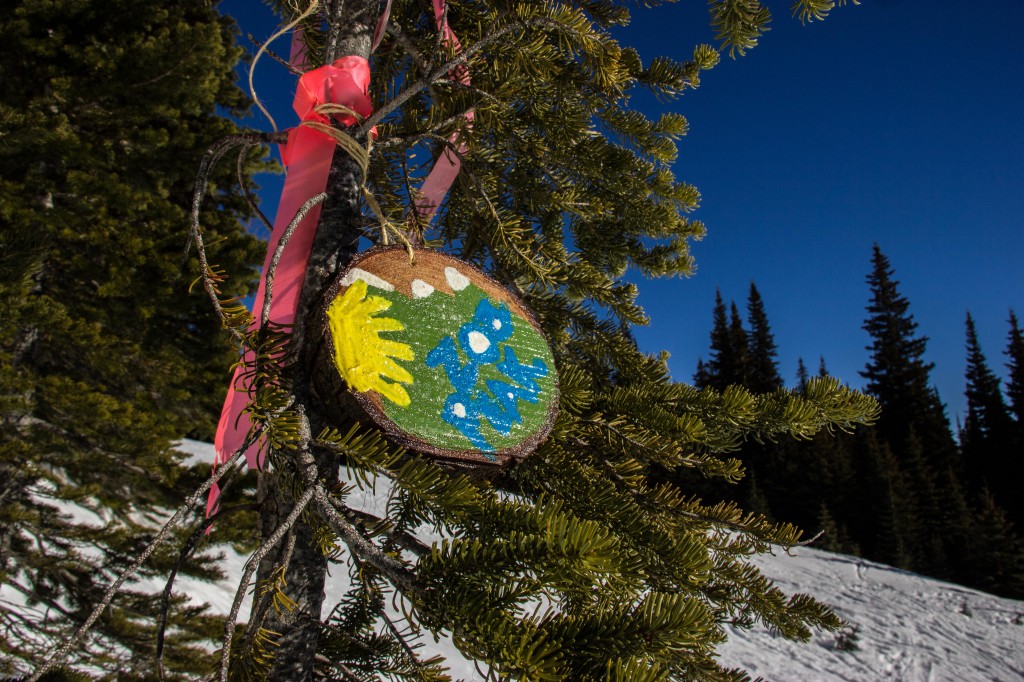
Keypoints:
(442, 358)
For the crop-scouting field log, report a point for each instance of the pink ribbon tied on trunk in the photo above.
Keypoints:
(307, 156)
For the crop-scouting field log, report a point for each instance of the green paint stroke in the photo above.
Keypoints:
(427, 321)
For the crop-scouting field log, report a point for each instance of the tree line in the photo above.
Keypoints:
(904, 491)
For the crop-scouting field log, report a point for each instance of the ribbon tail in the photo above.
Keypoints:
(446, 168)
(440, 179)
(310, 154)
(382, 24)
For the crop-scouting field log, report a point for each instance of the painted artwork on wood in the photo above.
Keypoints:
(440, 356)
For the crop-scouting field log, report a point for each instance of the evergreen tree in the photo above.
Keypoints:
(105, 357)
(723, 358)
(1015, 396)
(897, 374)
(987, 435)
(729, 363)
(886, 528)
(934, 544)
(763, 367)
(999, 552)
(739, 341)
(564, 188)
(1015, 380)
(801, 374)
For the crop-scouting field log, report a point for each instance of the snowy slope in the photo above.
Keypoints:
(909, 628)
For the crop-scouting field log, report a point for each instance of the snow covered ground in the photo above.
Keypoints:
(908, 628)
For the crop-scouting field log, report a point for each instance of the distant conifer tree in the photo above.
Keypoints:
(998, 551)
(886, 528)
(897, 374)
(987, 434)
(106, 109)
(1015, 380)
(723, 358)
(801, 374)
(762, 352)
(739, 341)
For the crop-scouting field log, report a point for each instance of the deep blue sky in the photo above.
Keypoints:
(899, 122)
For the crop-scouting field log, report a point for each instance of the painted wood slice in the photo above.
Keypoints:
(441, 357)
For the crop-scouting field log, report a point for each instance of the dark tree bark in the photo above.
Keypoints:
(351, 24)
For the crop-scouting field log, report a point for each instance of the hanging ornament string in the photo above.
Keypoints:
(339, 90)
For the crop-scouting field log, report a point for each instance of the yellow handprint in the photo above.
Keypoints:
(363, 358)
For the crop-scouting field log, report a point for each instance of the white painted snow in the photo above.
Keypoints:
(368, 277)
(456, 280)
(421, 289)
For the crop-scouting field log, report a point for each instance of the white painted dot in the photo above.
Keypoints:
(459, 409)
(511, 395)
(478, 343)
(496, 324)
(456, 280)
(421, 289)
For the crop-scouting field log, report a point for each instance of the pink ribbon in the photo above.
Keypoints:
(307, 156)
(446, 168)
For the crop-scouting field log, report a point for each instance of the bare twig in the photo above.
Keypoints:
(404, 539)
(213, 155)
(275, 260)
(273, 55)
(165, 600)
(394, 570)
(259, 611)
(399, 35)
(410, 140)
(59, 654)
(242, 154)
(804, 543)
(250, 568)
(409, 651)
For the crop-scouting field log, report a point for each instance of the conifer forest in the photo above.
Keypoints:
(497, 140)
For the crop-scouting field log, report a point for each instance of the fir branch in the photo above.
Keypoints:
(441, 73)
(390, 567)
(213, 155)
(404, 539)
(269, 595)
(531, 261)
(58, 655)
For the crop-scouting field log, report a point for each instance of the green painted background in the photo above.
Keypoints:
(427, 321)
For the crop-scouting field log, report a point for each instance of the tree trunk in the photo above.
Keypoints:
(350, 30)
